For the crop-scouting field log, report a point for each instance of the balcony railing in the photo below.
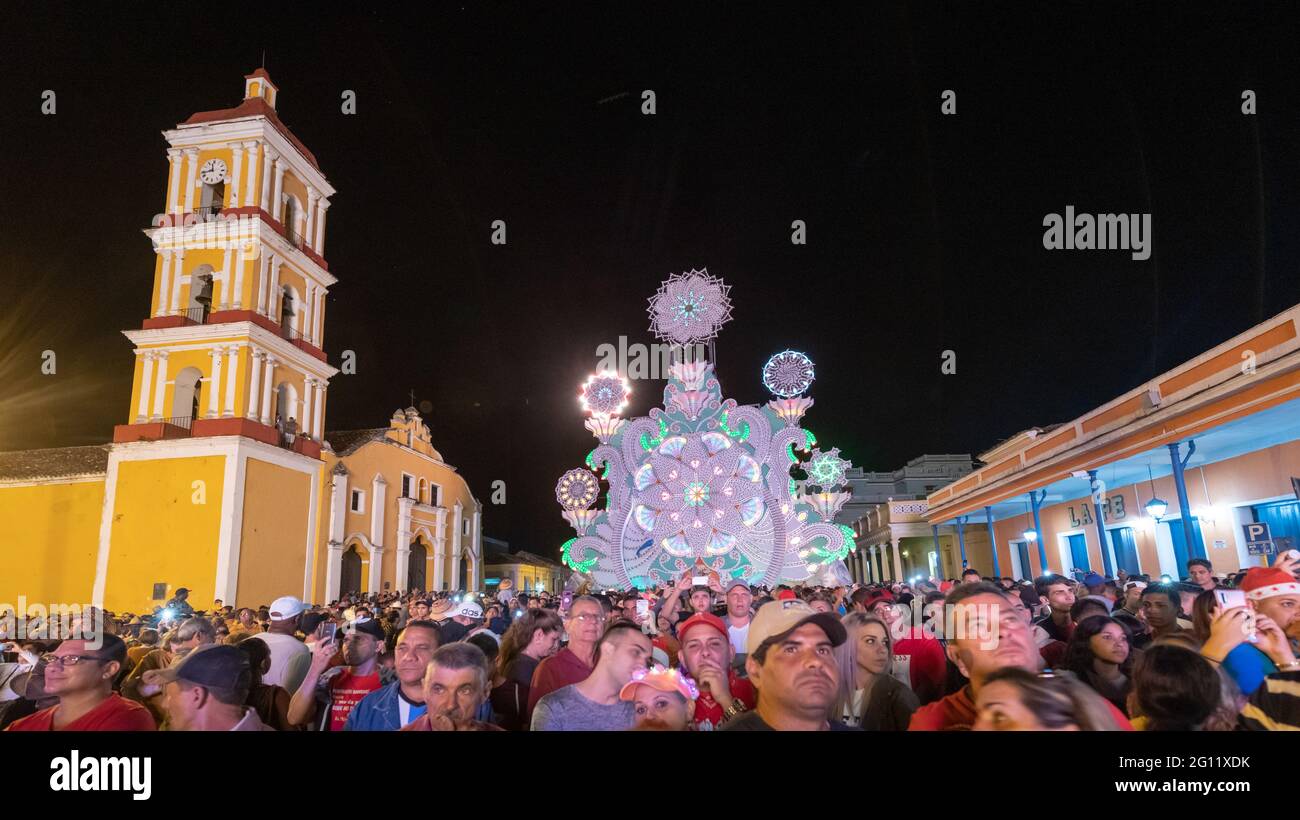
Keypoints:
(197, 315)
(290, 333)
(183, 422)
(294, 237)
(206, 212)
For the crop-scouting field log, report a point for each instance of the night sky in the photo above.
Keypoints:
(924, 231)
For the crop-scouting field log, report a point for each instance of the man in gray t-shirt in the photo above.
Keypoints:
(593, 704)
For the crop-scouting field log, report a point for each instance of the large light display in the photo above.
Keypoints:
(705, 485)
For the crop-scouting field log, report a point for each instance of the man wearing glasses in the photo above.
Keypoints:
(82, 679)
(572, 664)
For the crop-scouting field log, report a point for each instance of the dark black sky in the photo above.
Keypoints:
(924, 231)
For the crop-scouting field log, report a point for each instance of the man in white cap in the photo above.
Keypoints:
(466, 616)
(790, 661)
(286, 615)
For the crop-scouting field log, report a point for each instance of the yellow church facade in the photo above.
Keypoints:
(222, 479)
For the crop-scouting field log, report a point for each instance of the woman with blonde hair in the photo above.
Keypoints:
(870, 697)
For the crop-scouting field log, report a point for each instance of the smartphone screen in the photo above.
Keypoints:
(700, 581)
(566, 600)
(1229, 598)
(642, 608)
(328, 632)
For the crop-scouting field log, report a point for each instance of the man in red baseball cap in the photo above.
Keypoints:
(706, 655)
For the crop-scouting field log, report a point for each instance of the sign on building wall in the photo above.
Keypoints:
(1259, 539)
(1112, 509)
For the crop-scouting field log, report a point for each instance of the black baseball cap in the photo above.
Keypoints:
(216, 666)
(367, 626)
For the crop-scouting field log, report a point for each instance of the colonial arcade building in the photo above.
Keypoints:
(1202, 461)
(221, 478)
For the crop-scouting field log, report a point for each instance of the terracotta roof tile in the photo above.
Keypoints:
(254, 107)
(55, 462)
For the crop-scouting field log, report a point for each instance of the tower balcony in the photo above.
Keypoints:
(187, 427)
(186, 317)
(211, 213)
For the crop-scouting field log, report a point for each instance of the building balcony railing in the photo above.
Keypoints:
(181, 422)
(206, 212)
(294, 237)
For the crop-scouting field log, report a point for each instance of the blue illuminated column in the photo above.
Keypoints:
(993, 541)
(961, 538)
(1190, 536)
(1036, 500)
(1106, 561)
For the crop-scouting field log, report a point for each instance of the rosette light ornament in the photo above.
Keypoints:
(577, 489)
(788, 374)
(827, 470)
(604, 394)
(690, 308)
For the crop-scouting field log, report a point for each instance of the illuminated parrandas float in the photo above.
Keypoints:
(704, 485)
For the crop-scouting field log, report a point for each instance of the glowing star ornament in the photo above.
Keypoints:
(690, 307)
(827, 470)
(788, 374)
(577, 489)
(604, 393)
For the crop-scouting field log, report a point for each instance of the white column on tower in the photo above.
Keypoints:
(160, 386)
(268, 376)
(250, 186)
(178, 266)
(174, 157)
(304, 311)
(279, 188)
(146, 383)
(225, 279)
(268, 157)
(240, 262)
(318, 432)
(191, 174)
(214, 384)
(319, 244)
(312, 196)
(263, 281)
(232, 373)
(307, 389)
(255, 384)
(164, 283)
(237, 155)
(273, 304)
(320, 319)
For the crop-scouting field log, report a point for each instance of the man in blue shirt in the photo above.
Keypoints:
(391, 707)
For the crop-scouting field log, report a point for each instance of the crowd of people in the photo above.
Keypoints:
(1128, 653)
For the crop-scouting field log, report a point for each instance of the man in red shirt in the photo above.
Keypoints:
(988, 635)
(572, 664)
(82, 679)
(706, 655)
(328, 694)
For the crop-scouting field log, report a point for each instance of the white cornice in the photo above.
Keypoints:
(164, 336)
(255, 126)
(171, 238)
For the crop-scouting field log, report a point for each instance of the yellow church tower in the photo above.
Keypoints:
(213, 483)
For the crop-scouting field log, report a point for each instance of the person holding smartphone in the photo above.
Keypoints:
(1249, 630)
